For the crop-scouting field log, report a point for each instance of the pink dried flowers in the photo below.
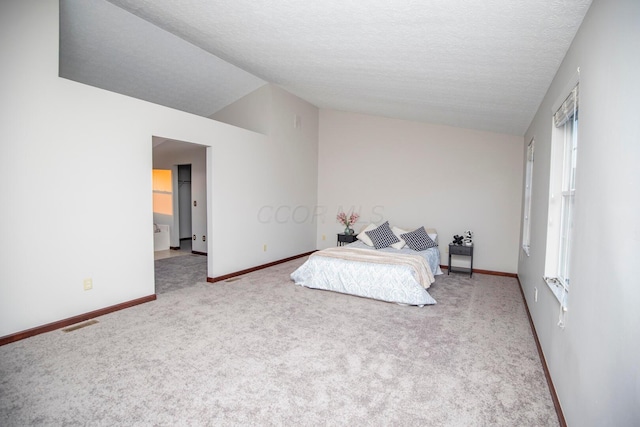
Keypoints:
(347, 221)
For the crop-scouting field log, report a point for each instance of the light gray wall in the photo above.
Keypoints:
(595, 360)
(290, 159)
(252, 111)
(84, 156)
(415, 174)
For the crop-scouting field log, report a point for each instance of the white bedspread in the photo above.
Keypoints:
(398, 283)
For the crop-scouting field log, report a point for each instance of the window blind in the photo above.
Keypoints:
(568, 108)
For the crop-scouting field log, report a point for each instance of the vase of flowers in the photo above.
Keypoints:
(347, 221)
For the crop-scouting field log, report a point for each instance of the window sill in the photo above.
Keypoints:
(558, 291)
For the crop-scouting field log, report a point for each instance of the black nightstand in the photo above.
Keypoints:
(464, 251)
(343, 239)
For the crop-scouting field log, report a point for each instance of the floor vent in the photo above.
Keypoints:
(79, 326)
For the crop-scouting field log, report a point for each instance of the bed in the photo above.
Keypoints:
(387, 274)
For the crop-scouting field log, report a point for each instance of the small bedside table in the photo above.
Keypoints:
(343, 239)
(463, 251)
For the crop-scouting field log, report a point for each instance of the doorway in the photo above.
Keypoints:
(184, 208)
(185, 264)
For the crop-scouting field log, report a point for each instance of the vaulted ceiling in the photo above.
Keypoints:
(482, 65)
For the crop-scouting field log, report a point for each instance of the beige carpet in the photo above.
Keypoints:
(262, 351)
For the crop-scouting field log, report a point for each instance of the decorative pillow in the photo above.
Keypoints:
(382, 236)
(397, 231)
(419, 240)
(363, 234)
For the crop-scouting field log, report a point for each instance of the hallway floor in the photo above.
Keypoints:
(185, 249)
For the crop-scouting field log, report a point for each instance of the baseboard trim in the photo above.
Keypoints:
(260, 267)
(490, 272)
(199, 253)
(174, 248)
(72, 320)
(545, 368)
(271, 264)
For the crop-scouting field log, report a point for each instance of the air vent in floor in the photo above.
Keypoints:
(79, 326)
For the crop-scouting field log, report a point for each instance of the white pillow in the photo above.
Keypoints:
(363, 234)
(433, 237)
(398, 231)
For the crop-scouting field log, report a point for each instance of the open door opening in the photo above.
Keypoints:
(185, 207)
(183, 215)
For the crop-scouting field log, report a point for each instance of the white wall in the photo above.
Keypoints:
(167, 156)
(82, 206)
(595, 360)
(285, 182)
(415, 174)
(252, 111)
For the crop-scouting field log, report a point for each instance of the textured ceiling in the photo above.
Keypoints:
(107, 47)
(481, 65)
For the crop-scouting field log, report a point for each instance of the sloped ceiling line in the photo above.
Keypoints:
(479, 65)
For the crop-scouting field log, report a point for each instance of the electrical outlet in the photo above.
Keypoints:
(264, 248)
(88, 284)
(535, 294)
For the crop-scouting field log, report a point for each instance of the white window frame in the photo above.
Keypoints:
(567, 196)
(562, 192)
(526, 219)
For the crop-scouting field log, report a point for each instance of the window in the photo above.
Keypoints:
(526, 220)
(162, 192)
(567, 197)
(562, 191)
